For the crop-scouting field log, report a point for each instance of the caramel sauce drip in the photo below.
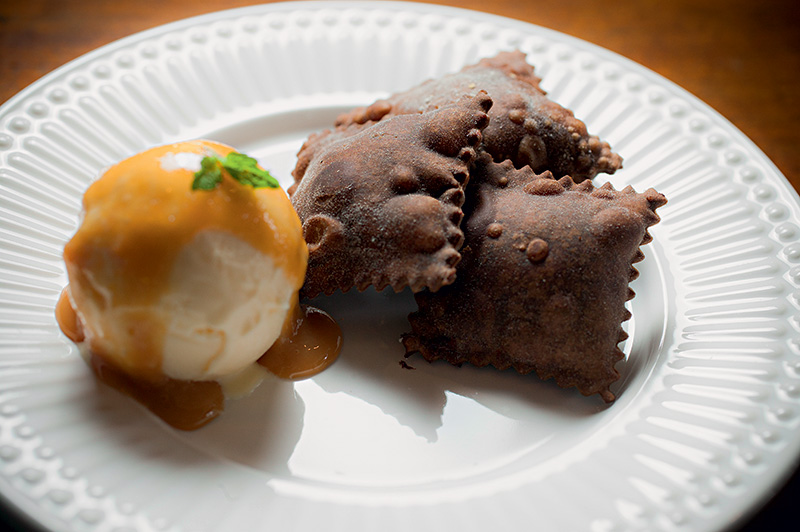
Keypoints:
(67, 318)
(184, 405)
(310, 342)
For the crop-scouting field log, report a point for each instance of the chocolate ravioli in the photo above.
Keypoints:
(544, 277)
(524, 125)
(381, 203)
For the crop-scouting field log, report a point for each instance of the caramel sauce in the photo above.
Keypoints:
(67, 318)
(310, 342)
(184, 405)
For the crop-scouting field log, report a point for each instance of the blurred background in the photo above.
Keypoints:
(739, 56)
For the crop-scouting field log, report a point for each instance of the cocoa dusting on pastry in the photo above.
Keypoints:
(544, 277)
(381, 205)
(524, 125)
(547, 258)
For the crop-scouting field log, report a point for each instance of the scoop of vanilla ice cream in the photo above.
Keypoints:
(187, 284)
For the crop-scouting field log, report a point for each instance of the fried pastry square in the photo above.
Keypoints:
(544, 278)
(525, 126)
(381, 205)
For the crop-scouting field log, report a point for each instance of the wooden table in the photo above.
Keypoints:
(739, 56)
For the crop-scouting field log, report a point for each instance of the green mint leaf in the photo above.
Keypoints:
(209, 175)
(241, 167)
(245, 170)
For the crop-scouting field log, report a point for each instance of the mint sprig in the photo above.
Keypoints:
(209, 175)
(241, 167)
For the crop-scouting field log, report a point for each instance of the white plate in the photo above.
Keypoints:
(709, 405)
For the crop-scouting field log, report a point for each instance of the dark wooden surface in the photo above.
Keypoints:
(740, 56)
